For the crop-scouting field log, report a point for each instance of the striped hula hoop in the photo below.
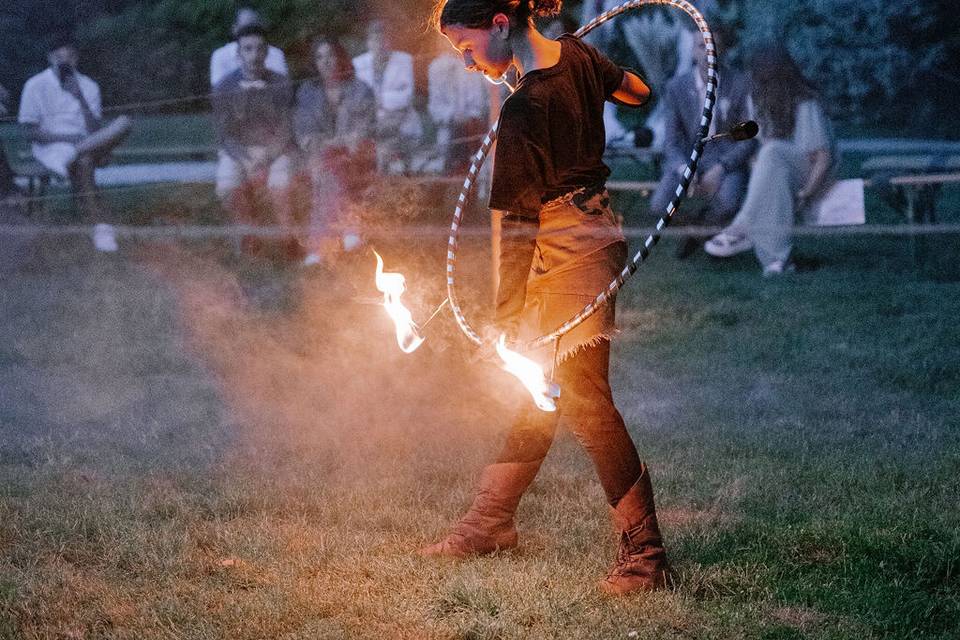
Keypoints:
(469, 184)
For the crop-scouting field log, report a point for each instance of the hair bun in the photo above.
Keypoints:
(545, 8)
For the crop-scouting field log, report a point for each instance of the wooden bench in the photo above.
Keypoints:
(182, 152)
(912, 183)
(38, 179)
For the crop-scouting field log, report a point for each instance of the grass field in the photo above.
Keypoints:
(196, 446)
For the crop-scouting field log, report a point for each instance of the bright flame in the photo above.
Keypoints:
(392, 285)
(544, 393)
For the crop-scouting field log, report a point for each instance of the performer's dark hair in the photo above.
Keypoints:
(778, 87)
(478, 14)
(344, 61)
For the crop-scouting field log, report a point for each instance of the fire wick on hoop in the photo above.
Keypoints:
(433, 315)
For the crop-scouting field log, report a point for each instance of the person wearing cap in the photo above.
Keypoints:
(62, 115)
(253, 117)
(225, 60)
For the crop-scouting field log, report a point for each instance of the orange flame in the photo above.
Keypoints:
(392, 285)
(544, 392)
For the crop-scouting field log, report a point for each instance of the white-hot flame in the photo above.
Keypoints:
(392, 285)
(544, 392)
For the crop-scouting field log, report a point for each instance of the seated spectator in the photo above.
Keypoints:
(60, 109)
(725, 165)
(662, 39)
(795, 164)
(335, 121)
(7, 186)
(390, 75)
(458, 104)
(224, 60)
(252, 109)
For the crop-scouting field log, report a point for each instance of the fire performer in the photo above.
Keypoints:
(561, 244)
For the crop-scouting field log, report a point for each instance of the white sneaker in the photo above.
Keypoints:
(726, 244)
(778, 267)
(105, 238)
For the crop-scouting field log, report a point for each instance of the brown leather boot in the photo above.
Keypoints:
(641, 563)
(488, 524)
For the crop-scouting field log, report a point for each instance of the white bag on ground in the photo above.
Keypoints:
(842, 204)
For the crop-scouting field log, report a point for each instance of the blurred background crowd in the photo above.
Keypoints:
(336, 93)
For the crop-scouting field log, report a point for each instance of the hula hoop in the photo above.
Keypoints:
(469, 184)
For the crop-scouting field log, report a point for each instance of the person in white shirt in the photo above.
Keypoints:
(225, 60)
(458, 105)
(661, 39)
(390, 75)
(62, 115)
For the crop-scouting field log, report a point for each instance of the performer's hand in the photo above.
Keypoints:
(487, 352)
(710, 180)
(72, 86)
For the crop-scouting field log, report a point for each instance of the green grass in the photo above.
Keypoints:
(196, 446)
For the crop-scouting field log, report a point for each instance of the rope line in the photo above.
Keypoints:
(194, 231)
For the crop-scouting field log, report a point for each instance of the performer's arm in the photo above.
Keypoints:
(517, 246)
(633, 91)
(820, 161)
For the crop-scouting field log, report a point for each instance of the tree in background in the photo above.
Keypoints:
(891, 63)
(155, 50)
(873, 60)
(27, 25)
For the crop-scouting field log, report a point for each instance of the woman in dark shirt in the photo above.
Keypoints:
(561, 246)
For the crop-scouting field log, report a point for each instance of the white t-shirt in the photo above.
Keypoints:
(45, 103)
(224, 61)
(456, 95)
